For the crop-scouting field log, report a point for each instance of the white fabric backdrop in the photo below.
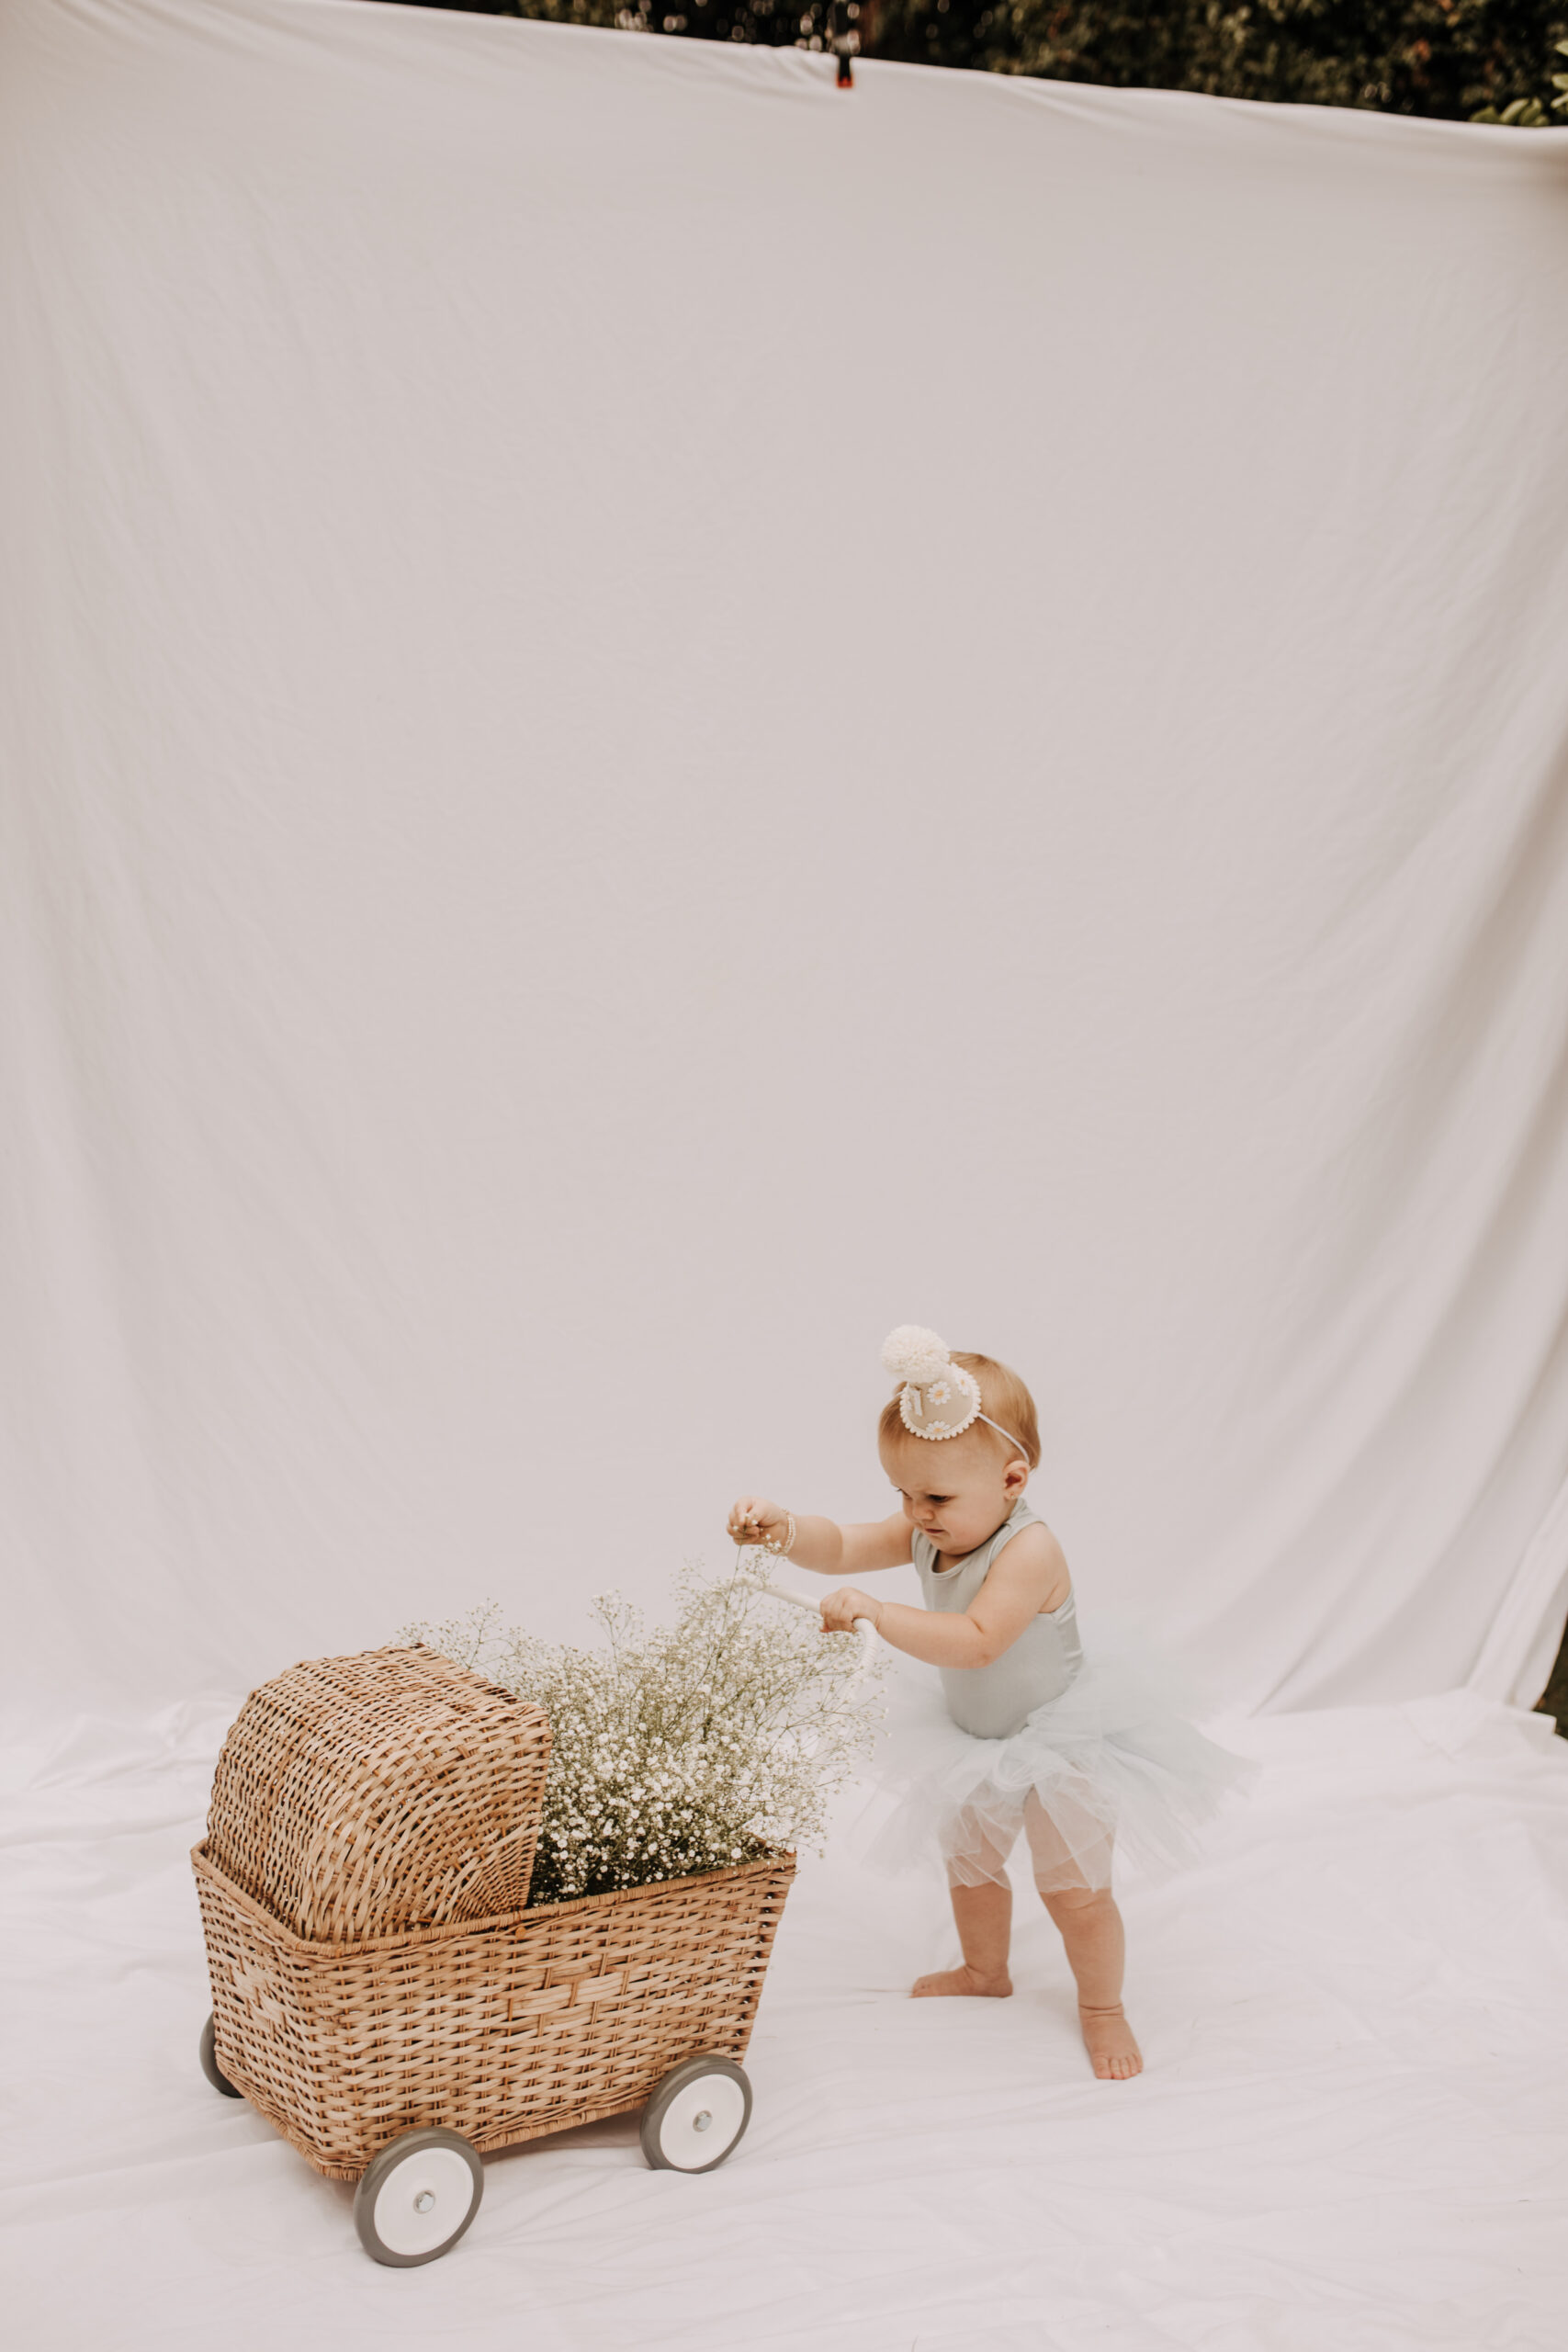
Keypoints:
(658, 718)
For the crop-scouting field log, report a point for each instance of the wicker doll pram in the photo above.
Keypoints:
(382, 1994)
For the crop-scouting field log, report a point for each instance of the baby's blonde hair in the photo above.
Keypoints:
(1003, 1397)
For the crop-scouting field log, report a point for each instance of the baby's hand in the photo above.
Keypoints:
(841, 1608)
(754, 1520)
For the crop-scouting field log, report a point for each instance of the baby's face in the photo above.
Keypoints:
(957, 1491)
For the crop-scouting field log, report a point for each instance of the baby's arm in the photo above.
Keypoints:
(822, 1544)
(1028, 1575)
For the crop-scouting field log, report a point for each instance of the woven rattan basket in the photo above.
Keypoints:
(373, 1967)
(358, 1795)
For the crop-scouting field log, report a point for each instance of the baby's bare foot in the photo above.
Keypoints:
(1107, 2038)
(962, 1981)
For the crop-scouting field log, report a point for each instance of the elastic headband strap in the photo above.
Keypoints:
(1023, 1455)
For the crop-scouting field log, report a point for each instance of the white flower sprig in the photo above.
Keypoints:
(680, 1748)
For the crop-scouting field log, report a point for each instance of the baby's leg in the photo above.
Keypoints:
(1096, 1942)
(1091, 1930)
(982, 1912)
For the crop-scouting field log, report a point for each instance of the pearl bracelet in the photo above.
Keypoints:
(784, 1549)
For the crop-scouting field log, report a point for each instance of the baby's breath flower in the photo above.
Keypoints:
(683, 1748)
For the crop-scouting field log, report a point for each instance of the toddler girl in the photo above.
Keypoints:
(1035, 1738)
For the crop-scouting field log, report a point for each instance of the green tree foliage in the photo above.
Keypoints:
(1423, 57)
(1533, 114)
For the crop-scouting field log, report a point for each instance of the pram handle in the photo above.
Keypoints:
(863, 1625)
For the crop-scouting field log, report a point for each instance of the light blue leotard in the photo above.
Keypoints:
(993, 1702)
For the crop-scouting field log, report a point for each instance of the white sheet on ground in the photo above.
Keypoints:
(1353, 2135)
(658, 718)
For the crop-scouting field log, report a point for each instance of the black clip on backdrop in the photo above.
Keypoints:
(843, 40)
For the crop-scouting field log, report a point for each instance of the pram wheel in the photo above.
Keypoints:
(417, 2197)
(696, 2116)
(209, 2065)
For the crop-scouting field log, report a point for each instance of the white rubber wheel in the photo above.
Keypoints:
(696, 2116)
(417, 2197)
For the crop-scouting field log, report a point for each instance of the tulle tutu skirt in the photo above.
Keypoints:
(1111, 1766)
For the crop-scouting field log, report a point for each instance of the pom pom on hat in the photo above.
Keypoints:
(911, 1352)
